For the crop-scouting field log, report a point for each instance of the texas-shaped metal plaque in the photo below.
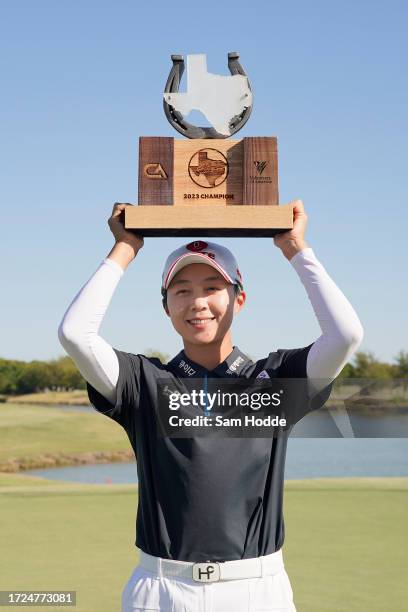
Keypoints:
(225, 101)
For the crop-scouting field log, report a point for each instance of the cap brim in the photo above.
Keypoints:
(190, 258)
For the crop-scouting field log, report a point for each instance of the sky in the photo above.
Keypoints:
(81, 80)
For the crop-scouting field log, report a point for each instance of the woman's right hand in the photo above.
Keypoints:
(116, 223)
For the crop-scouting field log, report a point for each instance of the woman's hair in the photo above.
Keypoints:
(237, 290)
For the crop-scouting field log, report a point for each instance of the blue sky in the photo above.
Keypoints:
(82, 80)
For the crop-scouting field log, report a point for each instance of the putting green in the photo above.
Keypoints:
(345, 546)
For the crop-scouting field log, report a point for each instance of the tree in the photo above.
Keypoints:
(10, 371)
(347, 372)
(401, 364)
(367, 366)
(66, 375)
(34, 376)
(401, 368)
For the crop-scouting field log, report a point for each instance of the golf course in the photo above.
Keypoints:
(346, 539)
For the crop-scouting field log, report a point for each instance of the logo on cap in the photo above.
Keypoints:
(197, 246)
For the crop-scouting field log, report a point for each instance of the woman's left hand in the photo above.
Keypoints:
(293, 241)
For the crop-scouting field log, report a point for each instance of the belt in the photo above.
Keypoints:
(214, 571)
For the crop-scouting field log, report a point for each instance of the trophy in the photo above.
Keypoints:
(208, 184)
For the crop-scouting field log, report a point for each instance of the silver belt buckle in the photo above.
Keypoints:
(206, 572)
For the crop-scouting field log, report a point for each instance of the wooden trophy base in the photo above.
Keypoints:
(208, 188)
(214, 220)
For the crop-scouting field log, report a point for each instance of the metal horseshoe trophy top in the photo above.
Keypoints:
(208, 184)
(225, 101)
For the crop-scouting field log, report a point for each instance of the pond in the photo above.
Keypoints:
(306, 458)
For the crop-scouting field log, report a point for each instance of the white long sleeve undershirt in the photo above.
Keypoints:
(78, 330)
(341, 329)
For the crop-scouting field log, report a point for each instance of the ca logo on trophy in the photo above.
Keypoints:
(208, 184)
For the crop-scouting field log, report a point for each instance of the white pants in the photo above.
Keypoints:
(149, 591)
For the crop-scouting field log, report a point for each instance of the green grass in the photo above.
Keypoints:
(76, 397)
(345, 547)
(74, 537)
(32, 432)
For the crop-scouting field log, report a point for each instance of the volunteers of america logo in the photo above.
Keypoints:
(258, 178)
(260, 166)
(208, 168)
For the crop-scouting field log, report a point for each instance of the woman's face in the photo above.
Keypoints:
(201, 304)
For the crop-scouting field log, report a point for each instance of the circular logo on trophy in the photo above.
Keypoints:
(208, 168)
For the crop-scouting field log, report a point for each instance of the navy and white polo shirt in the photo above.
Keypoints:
(203, 498)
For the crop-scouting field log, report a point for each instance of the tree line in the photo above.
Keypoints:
(366, 365)
(20, 377)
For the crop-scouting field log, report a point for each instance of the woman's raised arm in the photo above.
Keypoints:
(78, 331)
(341, 328)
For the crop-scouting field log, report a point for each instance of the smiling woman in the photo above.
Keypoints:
(196, 512)
(201, 304)
(202, 291)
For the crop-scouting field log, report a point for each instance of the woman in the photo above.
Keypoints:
(210, 527)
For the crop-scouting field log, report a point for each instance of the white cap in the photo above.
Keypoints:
(210, 253)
